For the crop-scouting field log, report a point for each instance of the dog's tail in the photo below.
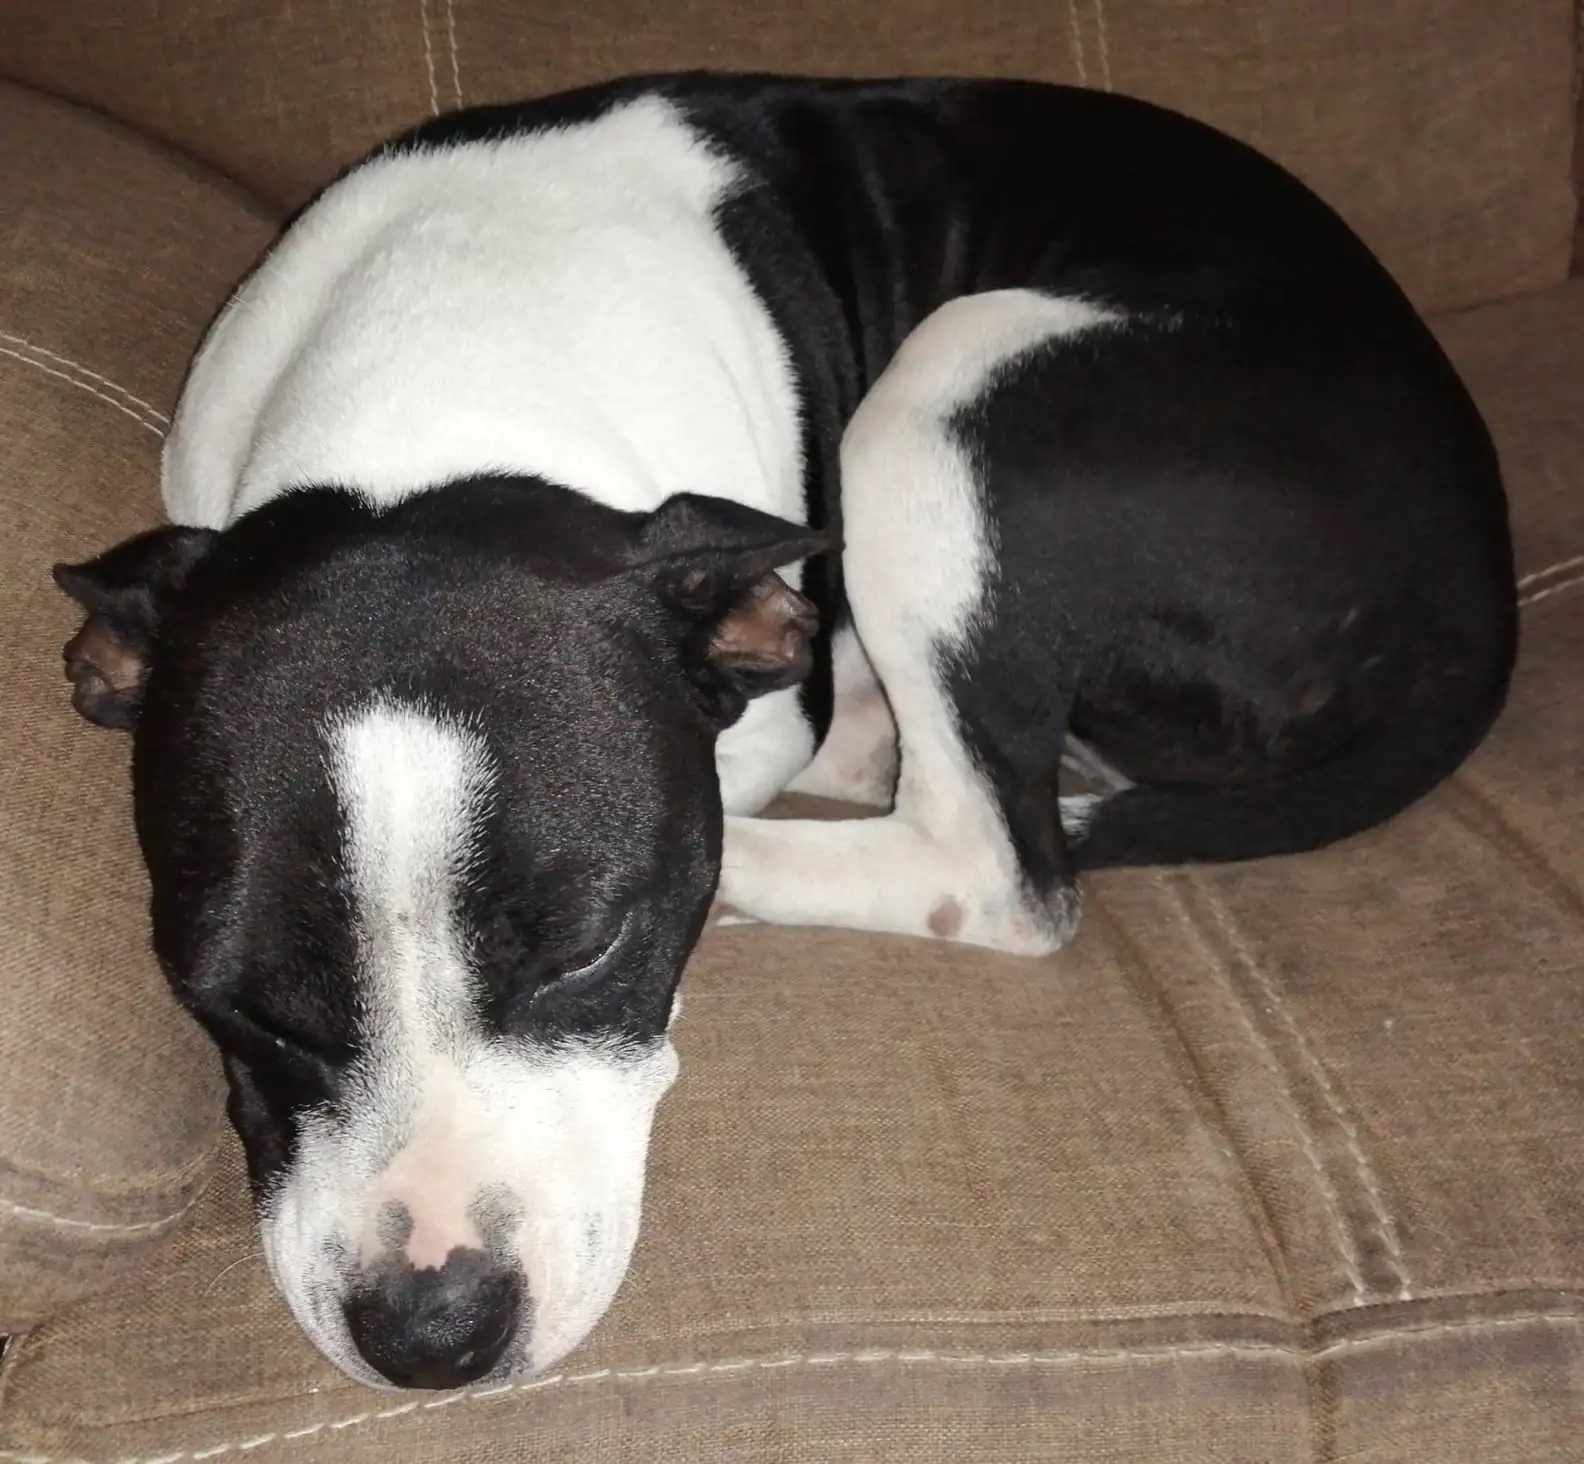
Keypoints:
(1375, 775)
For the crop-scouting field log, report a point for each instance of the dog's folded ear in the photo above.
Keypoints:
(714, 564)
(125, 591)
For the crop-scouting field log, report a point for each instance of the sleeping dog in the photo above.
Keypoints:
(573, 477)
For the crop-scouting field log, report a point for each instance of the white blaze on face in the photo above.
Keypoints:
(413, 790)
(447, 1135)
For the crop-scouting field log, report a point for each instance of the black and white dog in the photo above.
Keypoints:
(512, 486)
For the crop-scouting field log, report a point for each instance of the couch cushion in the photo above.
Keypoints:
(112, 255)
(1442, 128)
(1277, 1162)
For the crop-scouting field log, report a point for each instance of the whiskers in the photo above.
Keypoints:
(240, 1261)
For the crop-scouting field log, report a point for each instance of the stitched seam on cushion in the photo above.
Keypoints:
(93, 376)
(1077, 39)
(429, 61)
(456, 70)
(870, 1357)
(82, 385)
(1105, 44)
(1535, 575)
(1347, 1247)
(158, 1180)
(1485, 817)
(1549, 590)
(1045, 1316)
(1366, 1172)
(98, 1227)
(10, 1351)
(1208, 1103)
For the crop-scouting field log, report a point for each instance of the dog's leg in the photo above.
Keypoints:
(953, 876)
(762, 751)
(857, 761)
(973, 849)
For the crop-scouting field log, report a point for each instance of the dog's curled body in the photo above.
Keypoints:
(471, 629)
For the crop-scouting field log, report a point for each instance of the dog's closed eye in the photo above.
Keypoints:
(581, 978)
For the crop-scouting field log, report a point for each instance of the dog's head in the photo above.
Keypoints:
(428, 801)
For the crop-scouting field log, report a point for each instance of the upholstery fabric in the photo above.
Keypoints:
(1443, 129)
(113, 253)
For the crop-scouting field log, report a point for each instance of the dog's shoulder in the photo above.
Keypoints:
(541, 289)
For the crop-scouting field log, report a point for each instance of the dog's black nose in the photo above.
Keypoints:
(436, 1328)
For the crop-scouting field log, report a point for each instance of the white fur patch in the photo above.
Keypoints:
(439, 1117)
(857, 761)
(1078, 811)
(919, 547)
(481, 308)
(412, 788)
(758, 755)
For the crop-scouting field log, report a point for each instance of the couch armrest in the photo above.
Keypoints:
(112, 257)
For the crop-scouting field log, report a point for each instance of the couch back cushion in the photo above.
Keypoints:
(1441, 128)
(113, 256)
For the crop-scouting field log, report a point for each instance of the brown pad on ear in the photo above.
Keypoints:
(766, 637)
(105, 674)
(125, 591)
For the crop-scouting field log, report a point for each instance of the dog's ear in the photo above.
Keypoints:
(714, 564)
(125, 592)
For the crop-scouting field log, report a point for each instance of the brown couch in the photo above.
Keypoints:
(1280, 1162)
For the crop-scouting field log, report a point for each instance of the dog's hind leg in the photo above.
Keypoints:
(973, 849)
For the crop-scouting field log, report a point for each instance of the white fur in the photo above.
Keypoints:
(857, 761)
(760, 753)
(459, 310)
(918, 548)
(1078, 812)
(477, 309)
(441, 1115)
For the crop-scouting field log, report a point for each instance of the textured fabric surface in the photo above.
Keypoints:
(1578, 133)
(112, 255)
(1275, 1163)
(1441, 128)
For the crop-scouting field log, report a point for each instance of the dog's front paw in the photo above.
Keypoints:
(731, 889)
